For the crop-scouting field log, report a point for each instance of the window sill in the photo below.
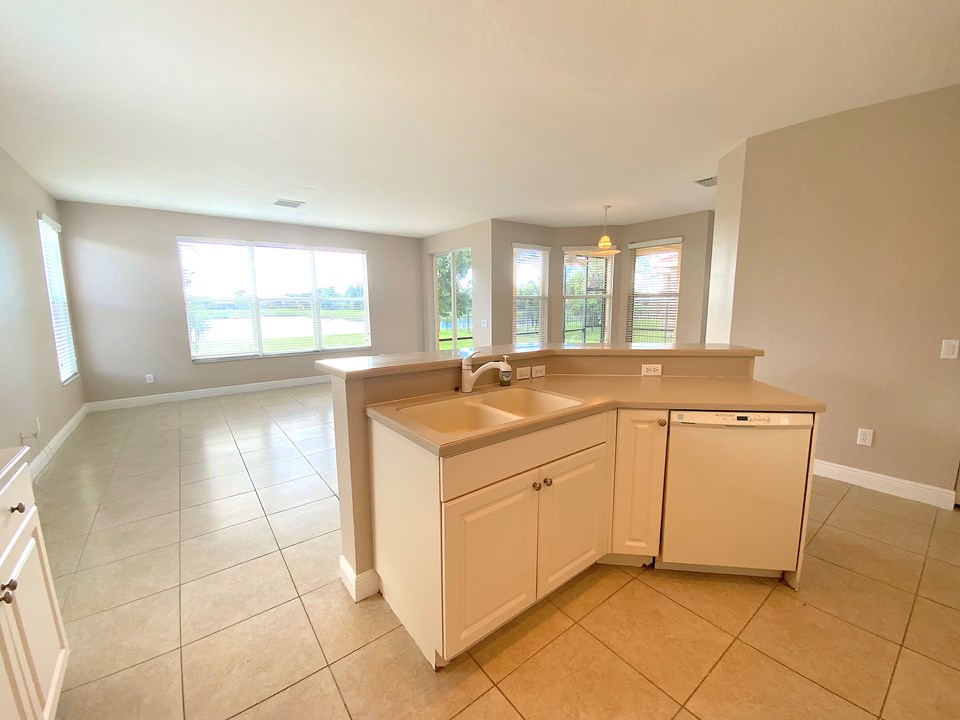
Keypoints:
(202, 361)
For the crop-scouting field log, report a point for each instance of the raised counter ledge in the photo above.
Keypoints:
(598, 393)
(375, 365)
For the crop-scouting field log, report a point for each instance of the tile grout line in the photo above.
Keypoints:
(906, 629)
(86, 538)
(327, 664)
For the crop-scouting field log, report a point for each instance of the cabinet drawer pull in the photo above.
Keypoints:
(536, 486)
(661, 422)
(548, 481)
(7, 597)
(19, 507)
(12, 585)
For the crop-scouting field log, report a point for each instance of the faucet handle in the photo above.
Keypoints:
(467, 362)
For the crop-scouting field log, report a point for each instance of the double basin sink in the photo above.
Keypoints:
(471, 412)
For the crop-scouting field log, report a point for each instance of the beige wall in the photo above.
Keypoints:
(847, 275)
(29, 377)
(477, 238)
(129, 309)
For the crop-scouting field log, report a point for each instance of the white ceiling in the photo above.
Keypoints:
(416, 116)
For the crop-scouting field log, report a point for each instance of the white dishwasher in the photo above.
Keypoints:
(735, 487)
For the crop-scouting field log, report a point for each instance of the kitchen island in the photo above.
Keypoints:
(462, 525)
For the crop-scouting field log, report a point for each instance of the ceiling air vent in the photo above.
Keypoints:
(707, 182)
(288, 203)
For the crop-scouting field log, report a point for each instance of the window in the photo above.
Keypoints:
(247, 300)
(654, 297)
(587, 295)
(57, 295)
(530, 294)
(453, 292)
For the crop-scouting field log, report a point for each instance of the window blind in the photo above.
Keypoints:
(256, 300)
(587, 296)
(530, 270)
(57, 295)
(655, 294)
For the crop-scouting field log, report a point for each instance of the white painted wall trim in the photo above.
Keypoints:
(43, 458)
(909, 489)
(364, 585)
(121, 403)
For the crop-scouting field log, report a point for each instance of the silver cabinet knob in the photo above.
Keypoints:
(548, 481)
(536, 486)
(661, 422)
(7, 597)
(12, 585)
(19, 507)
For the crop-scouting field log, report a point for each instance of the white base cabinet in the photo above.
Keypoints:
(33, 644)
(463, 544)
(510, 544)
(638, 481)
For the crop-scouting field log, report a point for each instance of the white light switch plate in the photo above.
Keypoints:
(949, 349)
(539, 370)
(523, 373)
(651, 369)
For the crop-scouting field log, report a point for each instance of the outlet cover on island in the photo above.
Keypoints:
(523, 373)
(949, 349)
(149, 378)
(651, 369)
(865, 437)
(539, 370)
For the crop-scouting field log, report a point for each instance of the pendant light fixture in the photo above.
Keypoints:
(605, 248)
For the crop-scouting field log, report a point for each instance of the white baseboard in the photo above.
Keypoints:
(361, 586)
(44, 456)
(909, 489)
(121, 403)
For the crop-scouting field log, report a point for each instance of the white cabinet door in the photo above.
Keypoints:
(34, 617)
(638, 481)
(573, 517)
(489, 559)
(14, 697)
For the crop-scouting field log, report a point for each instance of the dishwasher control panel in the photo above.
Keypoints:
(733, 418)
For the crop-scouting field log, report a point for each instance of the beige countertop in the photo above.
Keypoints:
(373, 365)
(598, 393)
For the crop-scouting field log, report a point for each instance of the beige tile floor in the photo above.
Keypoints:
(196, 547)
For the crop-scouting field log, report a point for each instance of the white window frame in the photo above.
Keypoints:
(63, 341)
(572, 252)
(544, 297)
(650, 245)
(255, 299)
(453, 296)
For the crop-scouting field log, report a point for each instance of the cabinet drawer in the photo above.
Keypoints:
(17, 490)
(469, 471)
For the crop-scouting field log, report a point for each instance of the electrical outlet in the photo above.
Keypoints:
(651, 369)
(539, 370)
(523, 373)
(949, 349)
(865, 437)
(149, 378)
(484, 323)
